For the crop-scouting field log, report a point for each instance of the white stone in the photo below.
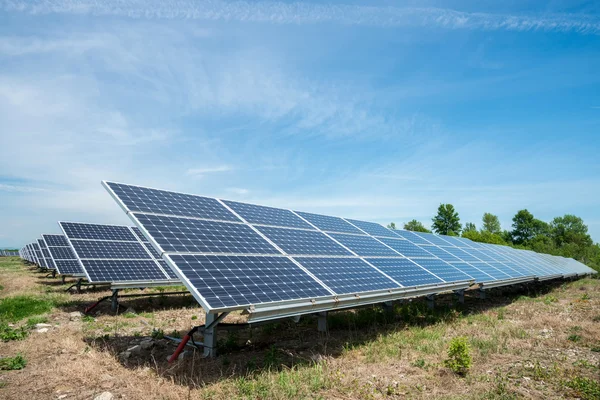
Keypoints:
(146, 344)
(38, 326)
(75, 315)
(42, 330)
(104, 396)
(62, 396)
(135, 349)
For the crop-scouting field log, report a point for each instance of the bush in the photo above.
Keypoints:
(459, 357)
(7, 333)
(12, 363)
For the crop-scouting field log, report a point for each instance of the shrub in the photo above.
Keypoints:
(459, 358)
(7, 333)
(12, 363)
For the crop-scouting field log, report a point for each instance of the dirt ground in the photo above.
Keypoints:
(537, 341)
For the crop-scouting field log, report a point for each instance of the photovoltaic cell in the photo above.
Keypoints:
(267, 215)
(439, 253)
(56, 240)
(301, 242)
(75, 230)
(68, 267)
(408, 235)
(471, 270)
(404, 271)
(436, 240)
(346, 275)
(157, 201)
(62, 253)
(406, 248)
(372, 228)
(228, 281)
(463, 254)
(328, 224)
(109, 250)
(454, 240)
(122, 270)
(495, 273)
(443, 270)
(175, 234)
(364, 245)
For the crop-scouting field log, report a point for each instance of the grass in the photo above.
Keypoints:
(584, 388)
(8, 333)
(12, 363)
(14, 309)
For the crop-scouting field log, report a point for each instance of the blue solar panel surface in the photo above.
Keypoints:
(262, 215)
(364, 245)
(109, 250)
(440, 253)
(433, 239)
(328, 224)
(406, 248)
(372, 228)
(56, 240)
(227, 281)
(122, 270)
(404, 271)
(346, 275)
(301, 242)
(174, 234)
(158, 201)
(443, 270)
(473, 270)
(75, 230)
(408, 235)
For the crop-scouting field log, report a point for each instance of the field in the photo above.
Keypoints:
(539, 341)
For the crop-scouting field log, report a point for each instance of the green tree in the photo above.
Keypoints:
(469, 227)
(446, 222)
(392, 225)
(526, 227)
(491, 223)
(570, 229)
(483, 237)
(415, 226)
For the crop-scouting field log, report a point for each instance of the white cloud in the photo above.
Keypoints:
(19, 188)
(200, 172)
(305, 13)
(238, 191)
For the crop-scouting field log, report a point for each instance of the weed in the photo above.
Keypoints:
(596, 318)
(194, 317)
(12, 363)
(33, 321)
(129, 315)
(157, 333)
(271, 357)
(8, 333)
(13, 309)
(595, 349)
(585, 388)
(175, 334)
(459, 358)
(501, 312)
(88, 318)
(574, 338)
(420, 363)
(585, 296)
(550, 299)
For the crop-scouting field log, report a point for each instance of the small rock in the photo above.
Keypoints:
(185, 355)
(317, 358)
(130, 311)
(62, 396)
(75, 315)
(42, 330)
(135, 349)
(104, 396)
(146, 344)
(124, 355)
(38, 326)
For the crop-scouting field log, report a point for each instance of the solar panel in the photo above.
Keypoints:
(405, 271)
(302, 242)
(328, 224)
(113, 253)
(372, 228)
(175, 234)
(346, 275)
(233, 281)
(225, 252)
(39, 260)
(443, 270)
(44, 254)
(364, 245)
(406, 248)
(62, 255)
(408, 235)
(271, 216)
(171, 203)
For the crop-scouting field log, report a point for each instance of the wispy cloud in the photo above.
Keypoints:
(303, 13)
(19, 189)
(200, 172)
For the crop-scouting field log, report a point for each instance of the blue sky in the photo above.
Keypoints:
(377, 112)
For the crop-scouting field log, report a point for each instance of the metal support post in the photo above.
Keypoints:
(78, 285)
(210, 334)
(481, 293)
(431, 301)
(460, 294)
(322, 321)
(63, 279)
(114, 300)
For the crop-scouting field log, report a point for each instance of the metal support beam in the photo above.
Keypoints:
(322, 321)
(114, 300)
(431, 301)
(63, 279)
(388, 307)
(78, 285)
(460, 295)
(481, 293)
(210, 333)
